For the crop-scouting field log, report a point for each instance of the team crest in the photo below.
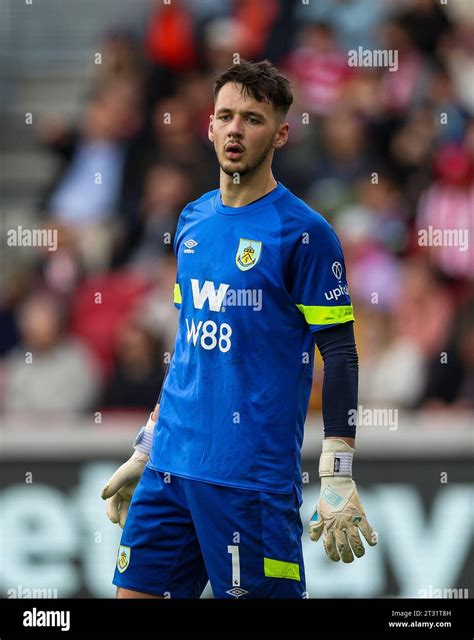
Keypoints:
(123, 558)
(248, 253)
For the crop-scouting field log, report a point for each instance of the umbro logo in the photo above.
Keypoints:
(190, 244)
(237, 592)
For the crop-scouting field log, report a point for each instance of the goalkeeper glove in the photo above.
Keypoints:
(120, 487)
(339, 514)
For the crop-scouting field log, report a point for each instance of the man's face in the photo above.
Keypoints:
(244, 131)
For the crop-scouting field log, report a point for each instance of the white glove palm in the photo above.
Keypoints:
(121, 485)
(339, 514)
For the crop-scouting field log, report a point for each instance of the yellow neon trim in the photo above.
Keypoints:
(280, 569)
(177, 294)
(326, 315)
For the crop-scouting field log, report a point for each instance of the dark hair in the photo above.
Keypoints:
(262, 81)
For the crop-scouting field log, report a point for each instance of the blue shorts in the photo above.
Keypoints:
(180, 533)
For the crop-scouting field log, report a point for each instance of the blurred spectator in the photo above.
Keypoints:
(447, 207)
(89, 188)
(410, 151)
(120, 57)
(8, 329)
(374, 272)
(424, 312)
(138, 374)
(281, 34)
(169, 41)
(363, 94)
(204, 10)
(157, 313)
(346, 154)
(175, 139)
(426, 22)
(99, 307)
(465, 397)
(403, 87)
(319, 66)
(61, 270)
(223, 37)
(248, 30)
(87, 194)
(196, 92)
(170, 47)
(457, 53)
(48, 370)
(393, 372)
(442, 99)
(383, 203)
(451, 372)
(167, 190)
(343, 158)
(373, 231)
(355, 22)
(255, 20)
(12, 289)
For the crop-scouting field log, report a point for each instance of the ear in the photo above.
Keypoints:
(281, 136)
(210, 132)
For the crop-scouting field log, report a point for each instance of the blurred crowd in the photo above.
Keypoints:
(382, 154)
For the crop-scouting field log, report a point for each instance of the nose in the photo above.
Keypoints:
(235, 128)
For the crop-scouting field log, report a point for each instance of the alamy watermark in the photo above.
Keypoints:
(436, 592)
(367, 417)
(31, 592)
(361, 57)
(243, 298)
(39, 618)
(432, 237)
(21, 237)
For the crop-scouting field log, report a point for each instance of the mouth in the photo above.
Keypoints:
(234, 151)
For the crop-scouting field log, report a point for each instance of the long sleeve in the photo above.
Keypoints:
(341, 372)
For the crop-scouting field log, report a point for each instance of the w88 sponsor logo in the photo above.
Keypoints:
(209, 334)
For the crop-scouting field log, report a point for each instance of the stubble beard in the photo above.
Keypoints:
(249, 167)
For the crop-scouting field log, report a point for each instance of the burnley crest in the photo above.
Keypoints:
(248, 253)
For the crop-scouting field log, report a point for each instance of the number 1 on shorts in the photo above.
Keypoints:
(233, 549)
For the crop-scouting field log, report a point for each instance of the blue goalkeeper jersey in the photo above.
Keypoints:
(252, 285)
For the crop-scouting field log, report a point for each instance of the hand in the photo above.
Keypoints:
(121, 485)
(339, 514)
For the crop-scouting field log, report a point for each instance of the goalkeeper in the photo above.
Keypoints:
(214, 488)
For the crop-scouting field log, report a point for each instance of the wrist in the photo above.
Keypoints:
(139, 456)
(336, 459)
(144, 439)
(350, 441)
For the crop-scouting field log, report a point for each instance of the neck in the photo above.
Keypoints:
(250, 188)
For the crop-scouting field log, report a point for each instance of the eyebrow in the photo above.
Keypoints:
(258, 114)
